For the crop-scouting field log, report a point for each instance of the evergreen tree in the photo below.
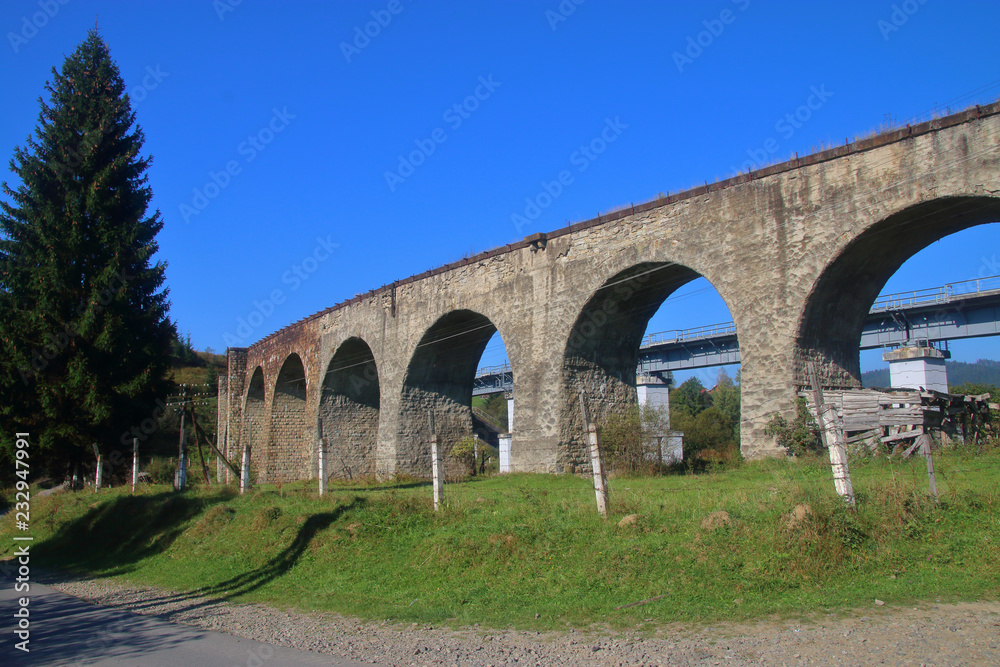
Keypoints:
(84, 334)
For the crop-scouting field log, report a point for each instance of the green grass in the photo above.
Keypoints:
(507, 548)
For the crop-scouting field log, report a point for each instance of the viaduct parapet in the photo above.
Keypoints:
(797, 250)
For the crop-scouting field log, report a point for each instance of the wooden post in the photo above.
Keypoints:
(98, 472)
(831, 438)
(321, 459)
(181, 472)
(926, 448)
(201, 453)
(135, 463)
(245, 469)
(596, 460)
(435, 464)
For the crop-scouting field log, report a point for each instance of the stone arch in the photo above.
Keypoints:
(830, 327)
(349, 410)
(288, 456)
(602, 351)
(255, 429)
(439, 378)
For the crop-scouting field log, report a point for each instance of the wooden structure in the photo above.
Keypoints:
(898, 417)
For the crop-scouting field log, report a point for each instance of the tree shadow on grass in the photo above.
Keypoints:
(113, 536)
(248, 582)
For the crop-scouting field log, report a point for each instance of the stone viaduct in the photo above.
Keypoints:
(797, 250)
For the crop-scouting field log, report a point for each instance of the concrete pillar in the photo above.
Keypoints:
(510, 414)
(653, 390)
(504, 452)
(917, 367)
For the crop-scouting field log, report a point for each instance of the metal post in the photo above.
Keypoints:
(596, 460)
(435, 464)
(135, 462)
(321, 456)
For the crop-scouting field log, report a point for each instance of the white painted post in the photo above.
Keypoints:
(596, 461)
(321, 460)
(831, 438)
(98, 472)
(135, 463)
(245, 469)
(435, 464)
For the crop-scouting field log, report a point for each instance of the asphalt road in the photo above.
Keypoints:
(65, 630)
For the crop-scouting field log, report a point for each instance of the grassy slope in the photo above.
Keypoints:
(508, 548)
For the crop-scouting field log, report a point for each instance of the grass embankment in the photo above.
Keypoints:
(508, 548)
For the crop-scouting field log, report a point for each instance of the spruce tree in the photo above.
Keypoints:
(84, 333)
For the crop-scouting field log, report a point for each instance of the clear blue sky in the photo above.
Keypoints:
(308, 118)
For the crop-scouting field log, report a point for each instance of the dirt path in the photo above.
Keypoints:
(935, 634)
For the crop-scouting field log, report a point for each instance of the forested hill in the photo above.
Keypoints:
(984, 371)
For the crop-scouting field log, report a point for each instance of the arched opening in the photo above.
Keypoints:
(439, 380)
(349, 411)
(838, 308)
(602, 355)
(288, 456)
(941, 297)
(691, 344)
(493, 405)
(254, 422)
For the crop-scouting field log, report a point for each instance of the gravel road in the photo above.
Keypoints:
(933, 634)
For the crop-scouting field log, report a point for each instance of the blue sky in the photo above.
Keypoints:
(273, 126)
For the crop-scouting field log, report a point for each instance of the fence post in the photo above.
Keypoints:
(831, 438)
(181, 472)
(245, 463)
(926, 450)
(99, 471)
(435, 464)
(135, 463)
(596, 460)
(321, 459)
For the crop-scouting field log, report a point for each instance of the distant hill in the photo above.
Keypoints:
(984, 371)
